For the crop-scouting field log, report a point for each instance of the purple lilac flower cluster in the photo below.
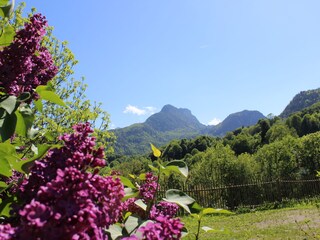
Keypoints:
(163, 224)
(148, 189)
(63, 199)
(6, 232)
(164, 209)
(25, 64)
(163, 228)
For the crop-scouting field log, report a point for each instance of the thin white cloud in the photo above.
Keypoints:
(139, 111)
(214, 121)
(134, 110)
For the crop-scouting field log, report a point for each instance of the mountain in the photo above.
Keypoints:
(235, 120)
(300, 101)
(174, 123)
(172, 118)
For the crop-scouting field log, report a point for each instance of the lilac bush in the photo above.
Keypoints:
(25, 64)
(63, 200)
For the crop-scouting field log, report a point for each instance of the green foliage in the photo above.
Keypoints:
(133, 165)
(244, 143)
(279, 131)
(309, 154)
(302, 100)
(280, 159)
(217, 165)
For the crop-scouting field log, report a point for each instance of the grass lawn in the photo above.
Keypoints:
(300, 222)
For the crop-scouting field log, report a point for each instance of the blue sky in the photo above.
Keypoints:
(212, 57)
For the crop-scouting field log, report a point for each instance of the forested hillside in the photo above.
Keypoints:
(175, 123)
(233, 121)
(277, 148)
(302, 100)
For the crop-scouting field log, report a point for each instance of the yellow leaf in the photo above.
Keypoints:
(156, 151)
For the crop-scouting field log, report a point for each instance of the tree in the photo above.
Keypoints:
(310, 154)
(244, 143)
(295, 121)
(278, 131)
(310, 124)
(280, 159)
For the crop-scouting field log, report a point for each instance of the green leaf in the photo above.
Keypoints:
(180, 198)
(206, 211)
(24, 97)
(132, 176)
(21, 128)
(7, 149)
(141, 204)
(195, 208)
(25, 118)
(178, 166)
(5, 168)
(51, 97)
(132, 223)
(39, 105)
(160, 165)
(153, 168)
(8, 31)
(126, 182)
(49, 136)
(8, 155)
(142, 176)
(156, 152)
(41, 88)
(6, 10)
(127, 215)
(42, 151)
(4, 2)
(129, 193)
(115, 231)
(3, 185)
(5, 207)
(8, 127)
(9, 104)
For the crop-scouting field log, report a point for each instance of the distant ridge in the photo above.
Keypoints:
(244, 118)
(300, 101)
(175, 123)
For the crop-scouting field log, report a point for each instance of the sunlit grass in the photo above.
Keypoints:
(299, 222)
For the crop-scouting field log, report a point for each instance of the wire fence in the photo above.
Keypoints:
(252, 194)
